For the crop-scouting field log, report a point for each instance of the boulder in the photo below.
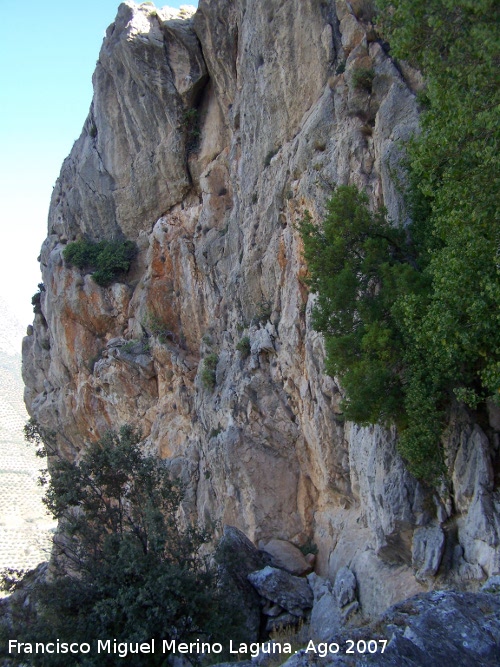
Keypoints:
(237, 558)
(427, 550)
(449, 629)
(345, 586)
(238, 555)
(287, 556)
(292, 593)
(325, 618)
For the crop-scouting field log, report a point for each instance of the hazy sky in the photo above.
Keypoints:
(48, 53)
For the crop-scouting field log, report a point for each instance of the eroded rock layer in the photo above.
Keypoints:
(207, 140)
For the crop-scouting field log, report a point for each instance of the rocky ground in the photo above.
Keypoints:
(315, 621)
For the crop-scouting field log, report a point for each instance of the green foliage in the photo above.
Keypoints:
(362, 268)
(387, 309)
(158, 328)
(36, 303)
(136, 346)
(36, 299)
(362, 78)
(309, 547)
(411, 318)
(455, 173)
(129, 345)
(42, 438)
(340, 67)
(124, 567)
(106, 259)
(208, 371)
(262, 312)
(358, 265)
(243, 346)
(207, 339)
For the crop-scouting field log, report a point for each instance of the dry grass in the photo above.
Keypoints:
(296, 636)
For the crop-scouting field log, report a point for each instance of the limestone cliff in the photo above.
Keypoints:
(207, 140)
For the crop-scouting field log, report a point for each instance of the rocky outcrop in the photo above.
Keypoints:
(445, 628)
(207, 140)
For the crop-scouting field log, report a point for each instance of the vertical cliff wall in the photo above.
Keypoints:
(207, 140)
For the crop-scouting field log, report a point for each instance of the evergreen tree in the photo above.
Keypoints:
(412, 317)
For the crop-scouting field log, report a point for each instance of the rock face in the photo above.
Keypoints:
(439, 628)
(207, 140)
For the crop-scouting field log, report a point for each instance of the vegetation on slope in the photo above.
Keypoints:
(412, 317)
(106, 259)
(123, 567)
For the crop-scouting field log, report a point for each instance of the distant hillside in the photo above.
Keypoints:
(24, 525)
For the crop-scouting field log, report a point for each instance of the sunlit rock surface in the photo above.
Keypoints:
(207, 140)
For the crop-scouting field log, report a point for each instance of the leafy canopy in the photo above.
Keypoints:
(412, 317)
(106, 259)
(124, 568)
(358, 264)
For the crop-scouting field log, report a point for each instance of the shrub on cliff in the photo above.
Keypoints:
(124, 568)
(36, 299)
(362, 78)
(363, 269)
(244, 347)
(354, 258)
(208, 371)
(106, 259)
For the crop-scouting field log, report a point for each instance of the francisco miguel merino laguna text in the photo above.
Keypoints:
(122, 649)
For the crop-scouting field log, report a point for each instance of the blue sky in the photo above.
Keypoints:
(49, 51)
